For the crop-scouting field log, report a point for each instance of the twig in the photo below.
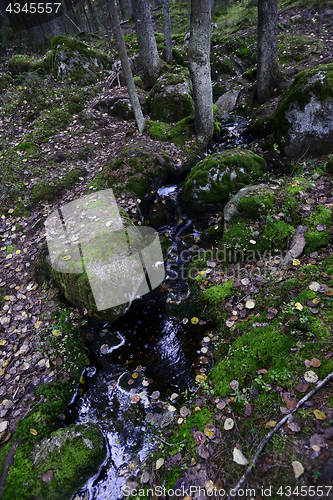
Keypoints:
(169, 444)
(276, 428)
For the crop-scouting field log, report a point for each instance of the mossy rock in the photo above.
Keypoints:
(74, 60)
(5, 80)
(59, 466)
(178, 134)
(134, 171)
(22, 64)
(303, 121)
(260, 220)
(50, 190)
(215, 178)
(171, 97)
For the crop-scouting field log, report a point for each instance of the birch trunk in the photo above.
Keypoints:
(126, 66)
(267, 71)
(199, 61)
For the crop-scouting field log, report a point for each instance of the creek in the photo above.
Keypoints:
(146, 355)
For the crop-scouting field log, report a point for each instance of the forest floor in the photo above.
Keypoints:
(32, 354)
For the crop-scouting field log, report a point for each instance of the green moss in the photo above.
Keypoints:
(182, 132)
(50, 122)
(157, 130)
(198, 419)
(255, 206)
(316, 239)
(215, 294)
(259, 347)
(20, 63)
(5, 81)
(29, 147)
(51, 189)
(4, 450)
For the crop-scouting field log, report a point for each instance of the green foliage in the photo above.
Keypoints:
(255, 206)
(316, 239)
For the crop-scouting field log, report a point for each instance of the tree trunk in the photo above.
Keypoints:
(130, 9)
(149, 58)
(267, 71)
(93, 15)
(199, 60)
(126, 66)
(167, 31)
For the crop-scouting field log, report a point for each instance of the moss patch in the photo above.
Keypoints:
(52, 189)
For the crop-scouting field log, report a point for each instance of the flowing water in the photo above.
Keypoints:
(150, 341)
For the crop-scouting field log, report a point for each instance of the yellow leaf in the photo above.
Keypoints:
(56, 333)
(200, 378)
(5, 363)
(3, 342)
(296, 262)
(6, 297)
(320, 415)
(194, 321)
(37, 324)
(18, 252)
(2, 372)
(270, 424)
(82, 381)
(135, 375)
(33, 432)
(159, 463)
(67, 257)
(299, 306)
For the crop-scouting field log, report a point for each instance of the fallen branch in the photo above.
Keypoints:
(273, 431)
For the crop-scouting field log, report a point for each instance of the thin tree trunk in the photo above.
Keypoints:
(93, 15)
(130, 9)
(87, 18)
(167, 31)
(267, 70)
(122, 10)
(199, 61)
(126, 66)
(149, 58)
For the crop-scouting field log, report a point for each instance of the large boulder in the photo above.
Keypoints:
(303, 121)
(74, 60)
(171, 97)
(96, 267)
(66, 460)
(213, 179)
(135, 172)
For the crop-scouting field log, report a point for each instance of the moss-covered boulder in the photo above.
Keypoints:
(73, 60)
(216, 177)
(171, 97)
(5, 80)
(99, 275)
(119, 107)
(135, 172)
(65, 461)
(23, 64)
(303, 121)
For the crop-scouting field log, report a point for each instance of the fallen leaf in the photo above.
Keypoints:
(294, 426)
(194, 321)
(270, 424)
(302, 387)
(135, 398)
(318, 440)
(234, 384)
(250, 304)
(310, 377)
(155, 395)
(239, 458)
(184, 411)
(320, 415)
(173, 396)
(47, 476)
(296, 262)
(314, 286)
(199, 437)
(171, 408)
(298, 468)
(209, 430)
(321, 227)
(135, 375)
(228, 424)
(298, 306)
(315, 362)
(33, 432)
(271, 313)
(159, 463)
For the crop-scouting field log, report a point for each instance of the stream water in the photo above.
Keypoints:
(152, 342)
